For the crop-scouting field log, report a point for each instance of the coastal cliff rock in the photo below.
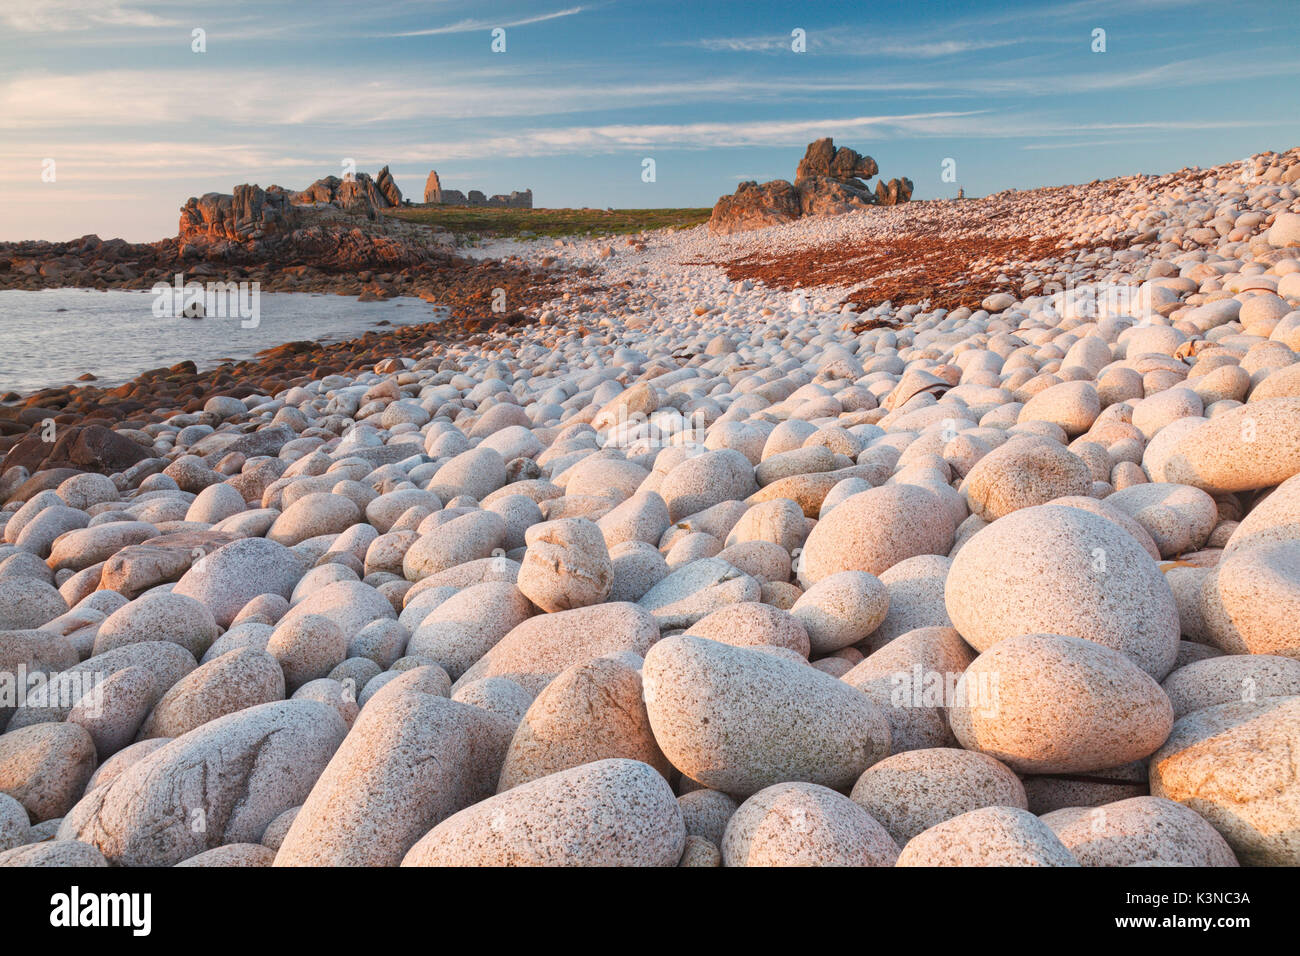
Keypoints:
(249, 213)
(334, 225)
(358, 193)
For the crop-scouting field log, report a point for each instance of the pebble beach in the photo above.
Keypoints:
(948, 533)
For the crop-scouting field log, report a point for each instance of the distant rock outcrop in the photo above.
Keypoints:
(897, 190)
(823, 159)
(435, 194)
(249, 213)
(828, 182)
(753, 206)
(357, 193)
(321, 225)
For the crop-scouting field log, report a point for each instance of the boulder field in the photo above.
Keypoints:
(703, 571)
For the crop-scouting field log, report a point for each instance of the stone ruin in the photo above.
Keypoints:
(434, 194)
(828, 181)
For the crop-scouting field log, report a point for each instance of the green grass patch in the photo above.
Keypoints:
(549, 222)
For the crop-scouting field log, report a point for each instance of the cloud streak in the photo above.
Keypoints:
(471, 26)
(849, 41)
(129, 99)
(61, 16)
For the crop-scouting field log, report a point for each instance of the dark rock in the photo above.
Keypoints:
(11, 481)
(81, 447)
(131, 477)
(522, 469)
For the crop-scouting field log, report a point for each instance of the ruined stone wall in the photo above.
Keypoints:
(434, 194)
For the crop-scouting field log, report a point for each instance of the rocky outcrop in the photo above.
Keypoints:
(898, 190)
(753, 206)
(333, 225)
(823, 159)
(357, 193)
(828, 182)
(433, 187)
(388, 187)
(249, 213)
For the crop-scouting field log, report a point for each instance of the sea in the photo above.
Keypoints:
(52, 336)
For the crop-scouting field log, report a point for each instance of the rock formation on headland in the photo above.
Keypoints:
(828, 181)
(331, 236)
(332, 224)
(252, 222)
(335, 225)
(434, 194)
(356, 192)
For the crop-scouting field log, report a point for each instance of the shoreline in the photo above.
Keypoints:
(293, 312)
(467, 294)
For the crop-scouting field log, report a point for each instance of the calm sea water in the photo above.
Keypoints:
(53, 336)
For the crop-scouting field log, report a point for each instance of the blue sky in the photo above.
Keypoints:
(135, 121)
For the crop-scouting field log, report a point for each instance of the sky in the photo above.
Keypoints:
(110, 117)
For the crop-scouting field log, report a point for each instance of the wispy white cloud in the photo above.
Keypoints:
(648, 137)
(224, 163)
(127, 100)
(851, 41)
(471, 25)
(1193, 124)
(939, 48)
(947, 36)
(60, 16)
